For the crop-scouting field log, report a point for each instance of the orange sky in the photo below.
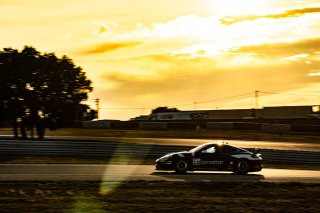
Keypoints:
(144, 54)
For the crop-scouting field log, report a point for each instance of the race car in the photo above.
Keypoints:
(212, 157)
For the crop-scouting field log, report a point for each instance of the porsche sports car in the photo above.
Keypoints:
(212, 157)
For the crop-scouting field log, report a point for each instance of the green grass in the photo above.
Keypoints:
(158, 197)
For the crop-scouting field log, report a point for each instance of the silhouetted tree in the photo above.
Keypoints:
(164, 109)
(36, 88)
(86, 113)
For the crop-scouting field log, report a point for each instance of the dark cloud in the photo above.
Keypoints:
(108, 47)
(229, 20)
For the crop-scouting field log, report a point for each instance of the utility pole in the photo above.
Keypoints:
(257, 98)
(97, 100)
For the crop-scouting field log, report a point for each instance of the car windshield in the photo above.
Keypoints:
(198, 148)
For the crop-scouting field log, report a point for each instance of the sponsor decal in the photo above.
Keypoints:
(198, 115)
(198, 162)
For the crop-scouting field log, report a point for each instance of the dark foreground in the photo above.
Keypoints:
(158, 197)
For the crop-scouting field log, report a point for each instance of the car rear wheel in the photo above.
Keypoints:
(241, 167)
(181, 166)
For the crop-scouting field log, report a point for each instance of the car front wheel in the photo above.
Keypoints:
(241, 167)
(181, 166)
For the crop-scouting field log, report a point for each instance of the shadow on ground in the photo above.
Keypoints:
(210, 177)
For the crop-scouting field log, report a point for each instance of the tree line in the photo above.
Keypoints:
(40, 90)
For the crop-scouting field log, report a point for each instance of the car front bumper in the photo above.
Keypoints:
(256, 166)
(163, 166)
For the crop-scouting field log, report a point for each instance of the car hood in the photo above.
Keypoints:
(180, 154)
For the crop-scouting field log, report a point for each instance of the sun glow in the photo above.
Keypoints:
(238, 7)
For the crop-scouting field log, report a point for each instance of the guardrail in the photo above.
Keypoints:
(122, 149)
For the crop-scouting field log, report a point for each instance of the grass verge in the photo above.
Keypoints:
(158, 197)
(197, 134)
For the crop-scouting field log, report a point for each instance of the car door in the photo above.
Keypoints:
(222, 156)
(207, 159)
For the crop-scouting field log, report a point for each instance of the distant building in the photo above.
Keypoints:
(181, 115)
(279, 112)
(286, 112)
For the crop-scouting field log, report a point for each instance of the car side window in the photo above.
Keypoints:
(209, 150)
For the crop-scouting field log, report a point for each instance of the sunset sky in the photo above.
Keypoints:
(189, 54)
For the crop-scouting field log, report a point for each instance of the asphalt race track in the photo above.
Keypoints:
(119, 173)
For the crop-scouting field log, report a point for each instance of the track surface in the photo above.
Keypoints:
(119, 173)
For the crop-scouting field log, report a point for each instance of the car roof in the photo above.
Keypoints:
(209, 144)
(215, 143)
(220, 144)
